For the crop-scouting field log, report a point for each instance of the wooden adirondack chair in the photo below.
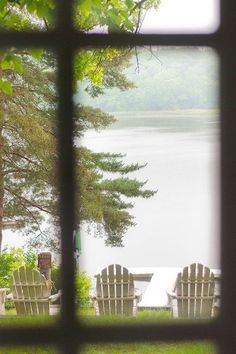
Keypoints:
(31, 292)
(194, 293)
(3, 296)
(115, 293)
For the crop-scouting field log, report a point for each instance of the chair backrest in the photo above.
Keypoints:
(115, 291)
(30, 292)
(195, 288)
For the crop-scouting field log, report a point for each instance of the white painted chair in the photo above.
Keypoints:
(194, 293)
(31, 292)
(115, 293)
(3, 296)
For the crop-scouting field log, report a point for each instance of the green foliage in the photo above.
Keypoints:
(11, 61)
(12, 259)
(117, 15)
(104, 202)
(6, 87)
(27, 125)
(27, 122)
(9, 261)
(55, 277)
(30, 258)
(83, 284)
(26, 14)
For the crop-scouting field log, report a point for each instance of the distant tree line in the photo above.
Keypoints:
(165, 79)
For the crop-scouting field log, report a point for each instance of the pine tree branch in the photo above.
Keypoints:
(21, 198)
(21, 156)
(35, 220)
(17, 170)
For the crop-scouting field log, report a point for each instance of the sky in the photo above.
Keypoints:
(185, 16)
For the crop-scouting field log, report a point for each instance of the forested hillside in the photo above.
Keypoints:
(165, 79)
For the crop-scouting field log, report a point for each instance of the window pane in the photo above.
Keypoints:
(184, 16)
(150, 180)
(29, 229)
(30, 16)
(169, 16)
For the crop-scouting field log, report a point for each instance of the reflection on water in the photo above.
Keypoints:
(180, 224)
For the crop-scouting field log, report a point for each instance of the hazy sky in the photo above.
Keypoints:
(183, 16)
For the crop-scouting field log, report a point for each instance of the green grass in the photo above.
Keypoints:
(88, 318)
(147, 348)
(142, 348)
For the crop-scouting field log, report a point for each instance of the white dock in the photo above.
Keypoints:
(163, 278)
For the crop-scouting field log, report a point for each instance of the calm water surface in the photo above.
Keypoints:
(180, 224)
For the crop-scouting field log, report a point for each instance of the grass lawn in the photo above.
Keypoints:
(88, 318)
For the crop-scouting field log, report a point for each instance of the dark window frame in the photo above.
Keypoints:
(68, 334)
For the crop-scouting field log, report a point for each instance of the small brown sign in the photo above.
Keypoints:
(44, 260)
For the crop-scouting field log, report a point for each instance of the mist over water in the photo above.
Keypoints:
(180, 224)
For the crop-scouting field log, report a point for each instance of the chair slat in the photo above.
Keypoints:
(185, 287)
(100, 302)
(125, 292)
(105, 291)
(23, 280)
(199, 290)
(118, 289)
(131, 294)
(192, 292)
(17, 292)
(195, 292)
(115, 291)
(111, 270)
(179, 290)
(30, 292)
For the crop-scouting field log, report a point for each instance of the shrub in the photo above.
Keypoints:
(55, 277)
(83, 284)
(9, 261)
(30, 259)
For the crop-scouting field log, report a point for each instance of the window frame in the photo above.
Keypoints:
(69, 334)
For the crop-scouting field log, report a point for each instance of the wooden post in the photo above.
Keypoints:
(45, 264)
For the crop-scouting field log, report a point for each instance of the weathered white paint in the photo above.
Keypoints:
(163, 278)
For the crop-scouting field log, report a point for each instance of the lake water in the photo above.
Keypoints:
(180, 224)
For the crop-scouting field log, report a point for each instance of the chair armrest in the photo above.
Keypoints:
(171, 294)
(138, 294)
(9, 296)
(55, 297)
(93, 294)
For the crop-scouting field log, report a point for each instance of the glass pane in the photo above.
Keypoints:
(173, 348)
(168, 16)
(29, 241)
(27, 15)
(149, 181)
(183, 16)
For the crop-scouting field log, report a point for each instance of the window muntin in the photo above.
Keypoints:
(171, 332)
